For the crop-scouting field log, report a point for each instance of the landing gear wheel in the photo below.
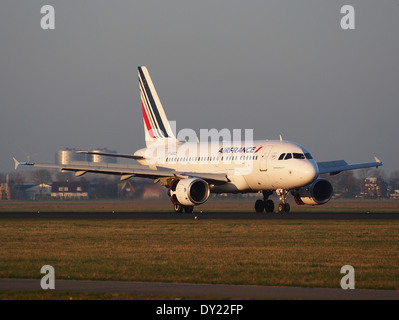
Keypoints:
(188, 209)
(259, 206)
(283, 207)
(269, 205)
(178, 208)
(265, 204)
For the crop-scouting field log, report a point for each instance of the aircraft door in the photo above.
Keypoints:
(263, 158)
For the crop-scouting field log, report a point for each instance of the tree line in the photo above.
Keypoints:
(352, 183)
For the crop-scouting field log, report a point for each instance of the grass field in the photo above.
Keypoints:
(212, 205)
(289, 253)
(259, 252)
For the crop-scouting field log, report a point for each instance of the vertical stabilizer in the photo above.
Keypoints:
(156, 125)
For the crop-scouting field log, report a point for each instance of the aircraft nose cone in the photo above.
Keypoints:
(308, 172)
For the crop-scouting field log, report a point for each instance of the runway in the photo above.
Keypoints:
(204, 215)
(219, 291)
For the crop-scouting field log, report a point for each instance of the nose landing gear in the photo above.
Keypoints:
(283, 205)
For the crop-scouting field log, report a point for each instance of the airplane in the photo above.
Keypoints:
(191, 171)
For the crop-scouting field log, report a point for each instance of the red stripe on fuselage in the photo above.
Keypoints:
(258, 149)
(147, 122)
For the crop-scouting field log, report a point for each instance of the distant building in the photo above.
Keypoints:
(152, 192)
(31, 191)
(101, 158)
(126, 189)
(76, 190)
(395, 194)
(5, 191)
(373, 187)
(69, 156)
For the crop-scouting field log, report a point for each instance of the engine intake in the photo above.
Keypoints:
(190, 192)
(318, 192)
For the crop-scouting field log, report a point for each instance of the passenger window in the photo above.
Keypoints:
(288, 156)
(281, 156)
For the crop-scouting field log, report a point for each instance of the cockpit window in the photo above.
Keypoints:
(299, 156)
(287, 156)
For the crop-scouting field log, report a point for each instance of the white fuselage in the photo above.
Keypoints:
(260, 165)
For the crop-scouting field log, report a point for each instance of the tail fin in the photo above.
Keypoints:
(156, 125)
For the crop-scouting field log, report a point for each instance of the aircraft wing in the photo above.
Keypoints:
(127, 171)
(128, 156)
(214, 178)
(335, 167)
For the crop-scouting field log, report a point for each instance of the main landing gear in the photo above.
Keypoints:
(178, 208)
(268, 205)
(265, 204)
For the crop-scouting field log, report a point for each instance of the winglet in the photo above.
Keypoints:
(379, 161)
(16, 163)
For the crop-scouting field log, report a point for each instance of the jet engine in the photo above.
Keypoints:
(318, 192)
(189, 192)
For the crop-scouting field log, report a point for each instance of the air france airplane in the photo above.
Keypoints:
(192, 170)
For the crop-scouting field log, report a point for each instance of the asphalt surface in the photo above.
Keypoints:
(203, 215)
(203, 290)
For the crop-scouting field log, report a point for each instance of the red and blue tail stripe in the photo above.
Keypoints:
(153, 114)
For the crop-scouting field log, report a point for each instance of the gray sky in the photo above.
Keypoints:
(278, 67)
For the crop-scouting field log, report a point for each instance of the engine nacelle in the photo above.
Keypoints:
(318, 192)
(189, 192)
